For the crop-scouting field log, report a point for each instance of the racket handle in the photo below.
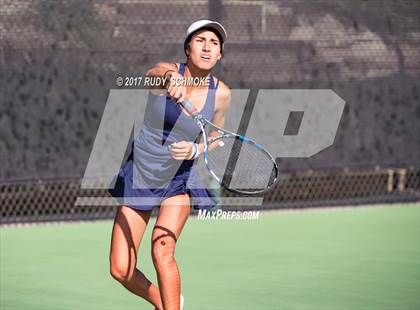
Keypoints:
(189, 107)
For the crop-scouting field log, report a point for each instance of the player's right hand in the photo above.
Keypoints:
(176, 88)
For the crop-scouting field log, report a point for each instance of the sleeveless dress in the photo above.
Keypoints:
(150, 174)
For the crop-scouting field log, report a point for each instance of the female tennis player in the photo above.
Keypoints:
(153, 163)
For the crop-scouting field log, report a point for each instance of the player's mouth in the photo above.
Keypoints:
(205, 57)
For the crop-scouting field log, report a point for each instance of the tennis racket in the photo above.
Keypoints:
(236, 162)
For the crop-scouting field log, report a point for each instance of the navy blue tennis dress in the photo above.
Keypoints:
(150, 174)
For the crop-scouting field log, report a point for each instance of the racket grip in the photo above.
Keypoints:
(189, 107)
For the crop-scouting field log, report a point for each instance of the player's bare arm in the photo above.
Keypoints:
(169, 72)
(222, 105)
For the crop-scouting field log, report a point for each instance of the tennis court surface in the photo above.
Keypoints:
(344, 258)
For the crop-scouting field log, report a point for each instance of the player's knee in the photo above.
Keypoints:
(163, 249)
(121, 271)
(163, 246)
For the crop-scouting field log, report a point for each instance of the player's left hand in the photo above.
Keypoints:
(181, 150)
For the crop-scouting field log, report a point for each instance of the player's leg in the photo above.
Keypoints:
(127, 233)
(173, 214)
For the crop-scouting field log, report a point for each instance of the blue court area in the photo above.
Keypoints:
(346, 258)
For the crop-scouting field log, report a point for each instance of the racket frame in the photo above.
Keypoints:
(202, 122)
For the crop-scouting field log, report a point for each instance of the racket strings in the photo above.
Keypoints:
(241, 165)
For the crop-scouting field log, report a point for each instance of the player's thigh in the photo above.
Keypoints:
(127, 233)
(173, 214)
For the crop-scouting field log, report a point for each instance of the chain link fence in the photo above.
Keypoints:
(56, 200)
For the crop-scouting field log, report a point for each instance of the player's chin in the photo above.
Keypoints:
(205, 65)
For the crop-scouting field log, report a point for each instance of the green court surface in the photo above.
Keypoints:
(349, 258)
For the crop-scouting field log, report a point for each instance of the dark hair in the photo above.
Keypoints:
(204, 28)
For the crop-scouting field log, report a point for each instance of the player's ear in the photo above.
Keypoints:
(220, 54)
